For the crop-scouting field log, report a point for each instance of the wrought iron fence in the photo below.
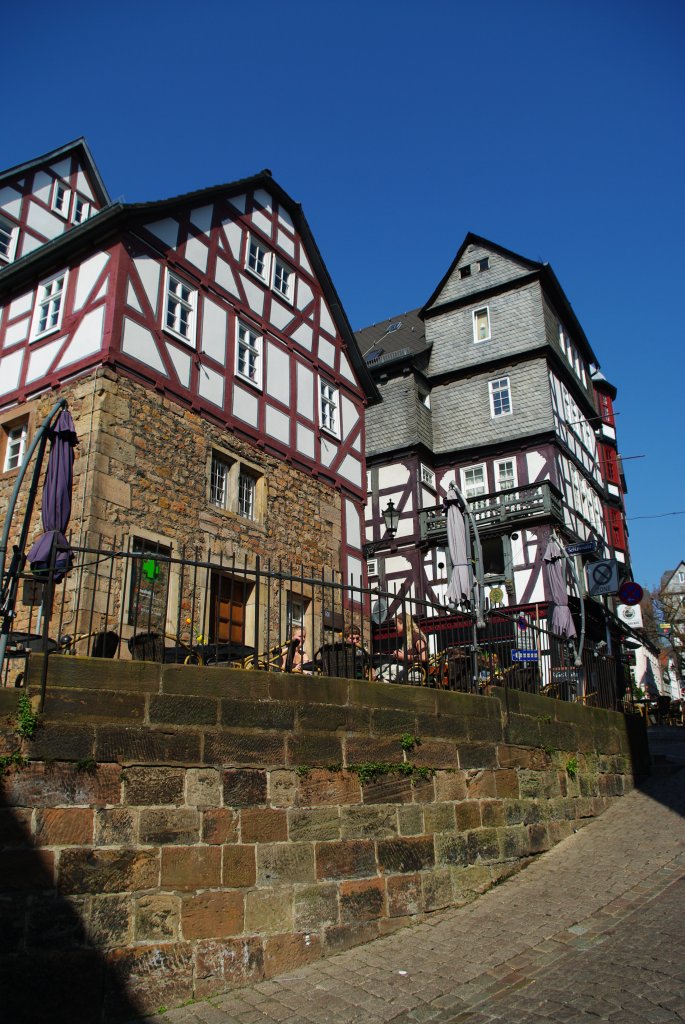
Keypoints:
(145, 602)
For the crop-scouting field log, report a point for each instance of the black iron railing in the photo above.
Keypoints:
(144, 601)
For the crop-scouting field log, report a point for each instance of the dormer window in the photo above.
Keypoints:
(61, 196)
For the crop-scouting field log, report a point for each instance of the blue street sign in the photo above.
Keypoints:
(585, 547)
(524, 655)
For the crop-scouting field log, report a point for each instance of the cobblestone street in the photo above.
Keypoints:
(593, 930)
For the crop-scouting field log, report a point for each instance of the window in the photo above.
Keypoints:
(484, 264)
(296, 610)
(235, 487)
(149, 587)
(329, 407)
(481, 324)
(257, 259)
(500, 397)
(61, 196)
(50, 305)
(81, 209)
(505, 472)
(179, 316)
(372, 567)
(8, 240)
(227, 605)
(283, 279)
(681, 577)
(473, 481)
(465, 271)
(427, 477)
(425, 399)
(218, 481)
(247, 489)
(16, 436)
(249, 350)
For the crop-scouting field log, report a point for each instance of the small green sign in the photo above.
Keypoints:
(150, 569)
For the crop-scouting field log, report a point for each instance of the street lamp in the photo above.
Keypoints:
(391, 519)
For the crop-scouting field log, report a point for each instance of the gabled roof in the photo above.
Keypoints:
(536, 270)
(56, 154)
(667, 577)
(118, 216)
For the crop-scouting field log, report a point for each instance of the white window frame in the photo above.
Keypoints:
(248, 342)
(247, 509)
(486, 310)
(504, 462)
(50, 301)
(464, 484)
(329, 407)
(85, 209)
(281, 267)
(12, 232)
(220, 468)
(189, 304)
(372, 567)
(427, 477)
(493, 385)
(60, 204)
(17, 431)
(265, 260)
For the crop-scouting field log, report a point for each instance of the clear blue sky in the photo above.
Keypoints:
(554, 127)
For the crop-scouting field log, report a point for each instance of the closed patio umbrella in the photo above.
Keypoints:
(554, 562)
(460, 584)
(56, 501)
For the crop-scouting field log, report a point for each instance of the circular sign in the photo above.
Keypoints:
(601, 573)
(496, 595)
(630, 592)
(522, 622)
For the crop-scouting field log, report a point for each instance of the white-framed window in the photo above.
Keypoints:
(80, 210)
(474, 481)
(296, 611)
(258, 258)
(248, 354)
(8, 240)
(681, 577)
(247, 493)
(500, 397)
(179, 308)
(505, 474)
(481, 324)
(235, 486)
(284, 279)
(329, 400)
(219, 477)
(372, 567)
(427, 477)
(61, 198)
(16, 437)
(47, 316)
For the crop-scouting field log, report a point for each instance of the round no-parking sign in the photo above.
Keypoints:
(630, 592)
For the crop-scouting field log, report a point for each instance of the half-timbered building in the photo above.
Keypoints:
(493, 384)
(215, 383)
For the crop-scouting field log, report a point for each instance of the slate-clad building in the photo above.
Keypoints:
(215, 382)
(494, 384)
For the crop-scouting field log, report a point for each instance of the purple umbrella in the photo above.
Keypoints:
(459, 587)
(56, 503)
(555, 566)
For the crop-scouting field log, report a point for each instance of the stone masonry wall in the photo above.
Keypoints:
(176, 831)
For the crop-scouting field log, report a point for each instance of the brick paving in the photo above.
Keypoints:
(592, 930)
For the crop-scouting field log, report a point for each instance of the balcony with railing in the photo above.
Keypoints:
(498, 511)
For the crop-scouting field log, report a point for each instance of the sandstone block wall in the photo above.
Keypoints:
(186, 830)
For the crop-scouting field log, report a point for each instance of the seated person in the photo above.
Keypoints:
(294, 658)
(353, 637)
(413, 661)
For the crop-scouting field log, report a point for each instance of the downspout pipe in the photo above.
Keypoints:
(8, 587)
